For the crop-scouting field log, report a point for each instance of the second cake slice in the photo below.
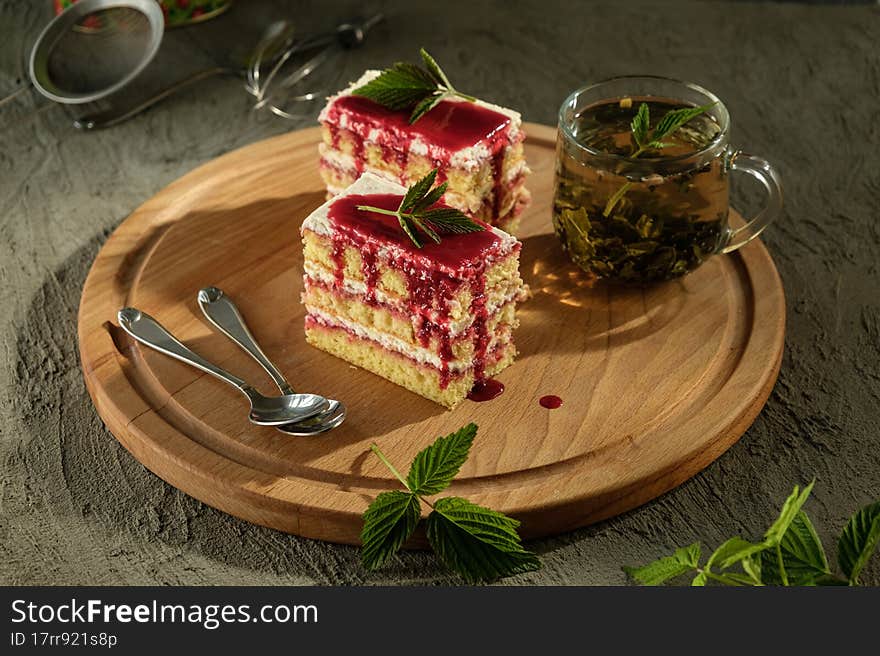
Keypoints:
(476, 146)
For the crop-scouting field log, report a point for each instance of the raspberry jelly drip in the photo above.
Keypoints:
(480, 327)
(497, 187)
(337, 254)
(486, 390)
(551, 402)
(434, 274)
(371, 274)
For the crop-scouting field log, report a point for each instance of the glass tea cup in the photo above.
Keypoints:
(630, 209)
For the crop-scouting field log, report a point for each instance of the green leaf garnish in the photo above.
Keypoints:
(645, 138)
(790, 554)
(415, 214)
(434, 467)
(407, 85)
(478, 543)
(858, 541)
(640, 125)
(673, 120)
(401, 86)
(388, 523)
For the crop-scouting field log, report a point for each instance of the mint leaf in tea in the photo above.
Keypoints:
(640, 203)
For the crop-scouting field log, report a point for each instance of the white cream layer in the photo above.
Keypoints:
(346, 162)
(496, 299)
(419, 354)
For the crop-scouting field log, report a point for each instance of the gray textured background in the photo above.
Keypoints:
(802, 84)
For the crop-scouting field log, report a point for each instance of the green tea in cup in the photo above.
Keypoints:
(642, 179)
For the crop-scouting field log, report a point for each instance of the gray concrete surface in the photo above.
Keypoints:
(802, 83)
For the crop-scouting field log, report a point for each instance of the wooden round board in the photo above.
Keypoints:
(656, 384)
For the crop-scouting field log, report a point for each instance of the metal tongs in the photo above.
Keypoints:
(275, 89)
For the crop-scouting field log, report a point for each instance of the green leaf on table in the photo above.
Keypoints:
(752, 567)
(700, 579)
(739, 579)
(831, 580)
(802, 555)
(689, 555)
(682, 561)
(858, 541)
(789, 511)
(733, 551)
(388, 522)
(478, 543)
(434, 467)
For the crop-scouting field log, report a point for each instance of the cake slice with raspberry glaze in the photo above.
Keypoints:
(436, 319)
(477, 147)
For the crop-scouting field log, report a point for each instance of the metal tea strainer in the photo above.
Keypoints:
(94, 48)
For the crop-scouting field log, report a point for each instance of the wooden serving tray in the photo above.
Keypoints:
(656, 384)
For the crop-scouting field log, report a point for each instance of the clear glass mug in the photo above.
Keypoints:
(659, 214)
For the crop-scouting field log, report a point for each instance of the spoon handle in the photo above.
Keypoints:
(147, 330)
(223, 313)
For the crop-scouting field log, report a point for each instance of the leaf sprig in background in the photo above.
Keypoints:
(790, 553)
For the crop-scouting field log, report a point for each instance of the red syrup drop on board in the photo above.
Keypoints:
(551, 402)
(486, 390)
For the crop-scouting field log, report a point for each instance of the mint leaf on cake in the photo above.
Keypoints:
(405, 86)
(415, 212)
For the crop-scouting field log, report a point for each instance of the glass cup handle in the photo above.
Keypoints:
(761, 170)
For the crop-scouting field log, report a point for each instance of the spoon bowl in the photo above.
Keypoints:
(265, 410)
(332, 417)
(279, 410)
(224, 315)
